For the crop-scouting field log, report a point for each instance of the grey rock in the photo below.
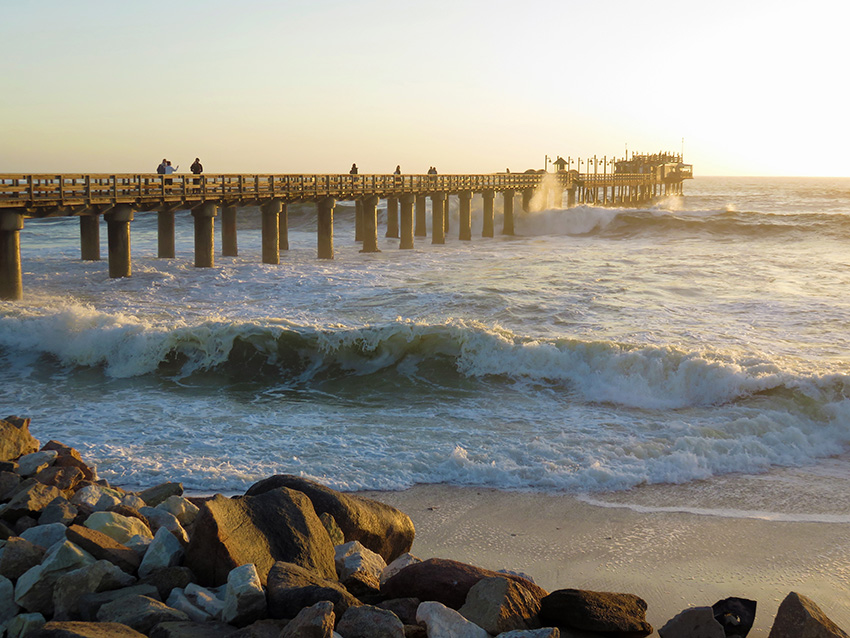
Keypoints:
(696, 622)
(19, 555)
(164, 551)
(34, 589)
(90, 604)
(139, 612)
(8, 608)
(442, 621)
(24, 625)
(97, 577)
(77, 629)
(292, 588)
(245, 599)
(189, 629)
(800, 617)
(29, 499)
(155, 495)
(369, 622)
(316, 621)
(34, 462)
(59, 510)
(45, 535)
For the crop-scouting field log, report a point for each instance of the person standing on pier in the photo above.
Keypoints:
(353, 170)
(169, 169)
(160, 170)
(397, 173)
(197, 168)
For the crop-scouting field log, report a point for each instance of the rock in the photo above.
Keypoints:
(363, 586)
(90, 604)
(415, 631)
(266, 628)
(19, 555)
(184, 510)
(97, 577)
(130, 512)
(735, 615)
(134, 501)
(244, 598)
(596, 611)
(5, 532)
(397, 565)
(311, 622)
(278, 525)
(95, 496)
(696, 622)
(69, 457)
(499, 604)
(445, 581)
(161, 518)
(545, 632)
(800, 617)
(104, 547)
(63, 478)
(167, 579)
(383, 529)
(189, 629)
(333, 530)
(205, 599)
(24, 625)
(45, 535)
(353, 557)
(34, 462)
(23, 524)
(164, 551)
(177, 600)
(139, 612)
(442, 621)
(9, 481)
(59, 510)
(369, 622)
(119, 528)
(15, 438)
(8, 608)
(29, 499)
(34, 589)
(404, 608)
(292, 588)
(153, 496)
(77, 629)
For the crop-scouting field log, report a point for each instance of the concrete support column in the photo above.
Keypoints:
(508, 218)
(421, 226)
(165, 234)
(229, 246)
(527, 194)
(406, 239)
(11, 281)
(392, 217)
(283, 227)
(205, 234)
(270, 212)
(118, 240)
(571, 197)
(438, 206)
(370, 225)
(90, 237)
(446, 213)
(325, 228)
(358, 220)
(464, 199)
(487, 229)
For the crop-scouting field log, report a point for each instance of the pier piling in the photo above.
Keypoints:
(465, 215)
(438, 232)
(270, 234)
(165, 234)
(283, 226)
(325, 227)
(205, 234)
(370, 225)
(508, 217)
(118, 240)
(90, 237)
(11, 280)
(487, 228)
(229, 242)
(406, 239)
(421, 225)
(392, 217)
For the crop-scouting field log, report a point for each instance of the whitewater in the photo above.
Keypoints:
(596, 352)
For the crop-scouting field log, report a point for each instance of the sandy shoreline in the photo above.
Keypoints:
(671, 559)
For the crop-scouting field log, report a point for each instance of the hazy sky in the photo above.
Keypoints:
(754, 87)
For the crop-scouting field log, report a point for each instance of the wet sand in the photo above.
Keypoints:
(673, 559)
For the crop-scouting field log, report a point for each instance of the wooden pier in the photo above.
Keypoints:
(119, 197)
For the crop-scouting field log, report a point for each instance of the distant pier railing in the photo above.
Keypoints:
(117, 197)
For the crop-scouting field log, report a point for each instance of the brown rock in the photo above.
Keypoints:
(64, 478)
(292, 588)
(369, 622)
(312, 622)
(278, 525)
(139, 612)
(89, 473)
(333, 530)
(265, 628)
(362, 585)
(620, 614)
(29, 499)
(445, 581)
(15, 438)
(500, 604)
(155, 495)
(59, 510)
(9, 481)
(97, 577)
(90, 604)
(415, 631)
(132, 513)
(168, 578)
(404, 608)
(189, 629)
(18, 556)
(103, 547)
(75, 629)
(379, 527)
(800, 617)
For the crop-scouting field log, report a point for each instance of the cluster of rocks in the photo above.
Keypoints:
(288, 559)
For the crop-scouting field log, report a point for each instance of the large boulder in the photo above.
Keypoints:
(316, 621)
(380, 527)
(19, 555)
(117, 526)
(623, 615)
(30, 498)
(277, 525)
(34, 589)
(103, 547)
(77, 629)
(292, 588)
(800, 617)
(15, 438)
(695, 622)
(500, 604)
(445, 581)
(155, 495)
(97, 577)
(164, 551)
(70, 457)
(35, 462)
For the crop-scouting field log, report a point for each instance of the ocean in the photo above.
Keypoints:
(701, 342)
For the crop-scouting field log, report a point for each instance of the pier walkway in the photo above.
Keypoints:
(118, 197)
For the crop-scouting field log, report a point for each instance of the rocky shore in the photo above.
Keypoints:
(289, 558)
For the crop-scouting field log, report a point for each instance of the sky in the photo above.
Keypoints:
(741, 87)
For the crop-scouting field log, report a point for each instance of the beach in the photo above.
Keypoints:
(673, 560)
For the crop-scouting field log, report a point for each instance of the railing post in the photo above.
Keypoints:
(11, 280)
